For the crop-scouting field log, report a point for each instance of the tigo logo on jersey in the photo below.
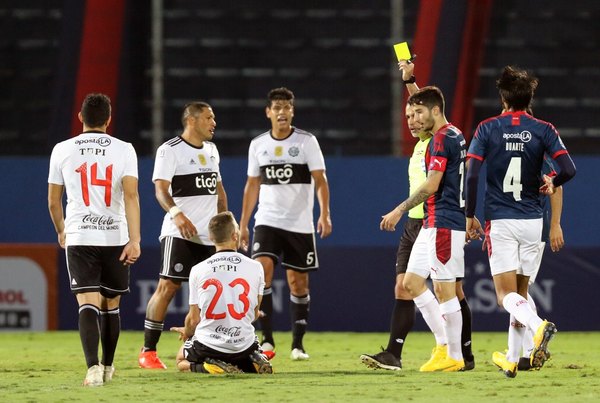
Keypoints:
(282, 174)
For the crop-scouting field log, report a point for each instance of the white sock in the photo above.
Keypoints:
(520, 308)
(529, 332)
(453, 327)
(430, 309)
(516, 333)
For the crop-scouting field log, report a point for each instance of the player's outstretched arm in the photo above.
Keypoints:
(429, 187)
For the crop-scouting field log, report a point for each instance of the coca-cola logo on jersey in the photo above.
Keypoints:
(98, 219)
(232, 331)
(208, 182)
(281, 174)
(101, 141)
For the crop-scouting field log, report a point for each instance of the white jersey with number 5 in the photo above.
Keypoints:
(226, 288)
(91, 167)
(284, 166)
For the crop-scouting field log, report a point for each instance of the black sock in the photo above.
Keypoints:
(299, 307)
(465, 337)
(152, 332)
(110, 328)
(403, 319)
(197, 367)
(89, 332)
(266, 321)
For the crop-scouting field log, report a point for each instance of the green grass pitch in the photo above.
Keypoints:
(49, 366)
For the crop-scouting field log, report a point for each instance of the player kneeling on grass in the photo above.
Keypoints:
(225, 293)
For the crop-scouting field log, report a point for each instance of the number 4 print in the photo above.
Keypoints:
(243, 297)
(106, 182)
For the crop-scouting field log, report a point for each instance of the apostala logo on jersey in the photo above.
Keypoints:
(202, 159)
(283, 174)
(101, 141)
(278, 151)
(524, 136)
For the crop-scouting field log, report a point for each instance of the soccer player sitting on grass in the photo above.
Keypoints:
(225, 293)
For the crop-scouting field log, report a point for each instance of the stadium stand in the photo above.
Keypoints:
(336, 56)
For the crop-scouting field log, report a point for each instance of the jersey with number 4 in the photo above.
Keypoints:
(446, 153)
(91, 167)
(226, 288)
(193, 173)
(513, 145)
(286, 195)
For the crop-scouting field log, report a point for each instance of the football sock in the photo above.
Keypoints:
(520, 308)
(266, 321)
(529, 332)
(403, 319)
(299, 307)
(152, 332)
(89, 332)
(467, 330)
(430, 309)
(110, 328)
(516, 331)
(453, 327)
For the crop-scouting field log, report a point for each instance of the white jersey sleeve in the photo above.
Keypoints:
(314, 156)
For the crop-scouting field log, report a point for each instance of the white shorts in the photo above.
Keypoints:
(538, 263)
(514, 245)
(438, 252)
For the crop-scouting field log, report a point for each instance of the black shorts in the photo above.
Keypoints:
(298, 251)
(407, 240)
(178, 256)
(97, 269)
(196, 352)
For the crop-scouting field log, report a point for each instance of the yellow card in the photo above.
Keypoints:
(402, 52)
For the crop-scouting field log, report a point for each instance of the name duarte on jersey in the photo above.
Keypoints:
(284, 174)
(196, 184)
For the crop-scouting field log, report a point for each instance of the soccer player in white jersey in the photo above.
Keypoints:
(101, 230)
(225, 293)
(285, 167)
(188, 187)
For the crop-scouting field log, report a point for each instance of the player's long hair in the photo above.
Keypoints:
(516, 87)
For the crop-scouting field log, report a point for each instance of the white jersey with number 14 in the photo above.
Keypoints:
(91, 167)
